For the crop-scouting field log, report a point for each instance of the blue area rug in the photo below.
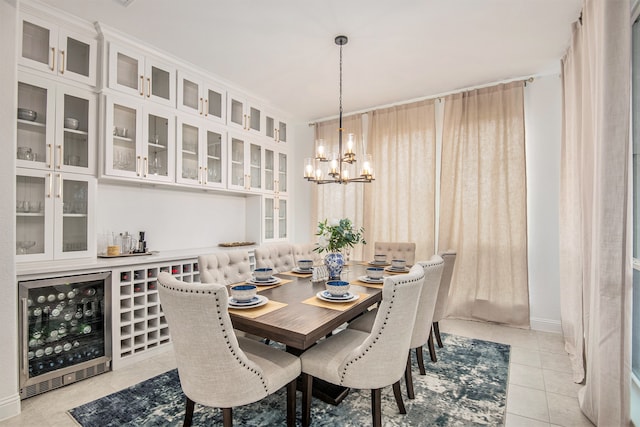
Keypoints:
(467, 386)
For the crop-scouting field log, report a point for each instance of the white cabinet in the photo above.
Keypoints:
(56, 126)
(202, 153)
(54, 215)
(141, 75)
(275, 129)
(243, 114)
(275, 171)
(57, 51)
(198, 96)
(275, 218)
(245, 163)
(139, 140)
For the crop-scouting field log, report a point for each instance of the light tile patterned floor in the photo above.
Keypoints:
(541, 392)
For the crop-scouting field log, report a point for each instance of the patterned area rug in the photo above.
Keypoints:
(467, 386)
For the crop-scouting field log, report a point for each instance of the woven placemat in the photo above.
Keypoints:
(263, 288)
(252, 313)
(367, 285)
(340, 306)
(293, 273)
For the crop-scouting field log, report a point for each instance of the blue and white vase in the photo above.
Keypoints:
(334, 262)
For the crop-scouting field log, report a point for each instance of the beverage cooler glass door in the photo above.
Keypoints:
(65, 330)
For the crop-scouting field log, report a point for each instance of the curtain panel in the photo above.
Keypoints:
(595, 221)
(399, 206)
(483, 204)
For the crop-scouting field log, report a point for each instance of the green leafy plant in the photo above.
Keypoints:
(336, 234)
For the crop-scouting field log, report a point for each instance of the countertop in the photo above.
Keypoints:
(82, 265)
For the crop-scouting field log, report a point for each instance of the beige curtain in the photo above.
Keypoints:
(340, 201)
(594, 215)
(483, 204)
(400, 203)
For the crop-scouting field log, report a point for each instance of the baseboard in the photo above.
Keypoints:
(10, 407)
(545, 325)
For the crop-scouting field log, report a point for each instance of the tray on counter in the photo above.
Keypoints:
(127, 255)
(234, 244)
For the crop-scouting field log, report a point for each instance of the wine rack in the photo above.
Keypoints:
(139, 325)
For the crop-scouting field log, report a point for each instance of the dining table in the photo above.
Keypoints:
(296, 316)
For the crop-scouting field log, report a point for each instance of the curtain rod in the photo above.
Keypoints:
(425, 98)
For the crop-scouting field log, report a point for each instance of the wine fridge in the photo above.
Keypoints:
(65, 331)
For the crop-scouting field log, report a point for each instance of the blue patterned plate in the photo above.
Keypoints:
(326, 296)
(262, 300)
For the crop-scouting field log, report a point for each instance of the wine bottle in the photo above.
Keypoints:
(85, 328)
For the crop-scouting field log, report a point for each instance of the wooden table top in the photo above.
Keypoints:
(300, 325)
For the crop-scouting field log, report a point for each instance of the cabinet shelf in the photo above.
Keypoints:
(157, 146)
(73, 215)
(31, 214)
(122, 139)
(189, 152)
(76, 131)
(29, 123)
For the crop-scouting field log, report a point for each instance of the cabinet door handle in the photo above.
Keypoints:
(138, 165)
(53, 59)
(50, 178)
(200, 108)
(277, 132)
(141, 85)
(199, 174)
(248, 122)
(61, 64)
(51, 159)
(59, 196)
(60, 156)
(25, 337)
(146, 166)
(205, 175)
(205, 110)
(148, 87)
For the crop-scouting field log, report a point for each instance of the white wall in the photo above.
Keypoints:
(172, 219)
(9, 398)
(302, 195)
(543, 122)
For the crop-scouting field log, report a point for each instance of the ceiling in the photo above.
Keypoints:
(283, 51)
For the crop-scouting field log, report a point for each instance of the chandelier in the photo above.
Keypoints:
(340, 167)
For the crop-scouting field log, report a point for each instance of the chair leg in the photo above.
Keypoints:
(436, 330)
(398, 395)
(227, 417)
(307, 383)
(408, 378)
(376, 410)
(432, 349)
(188, 412)
(291, 403)
(420, 358)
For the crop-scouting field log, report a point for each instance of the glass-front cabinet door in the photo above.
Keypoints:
(282, 218)
(274, 218)
(56, 126)
(201, 150)
(140, 141)
(54, 215)
(275, 171)
(198, 96)
(245, 164)
(57, 50)
(243, 114)
(136, 74)
(275, 129)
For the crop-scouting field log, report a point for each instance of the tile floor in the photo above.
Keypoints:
(541, 392)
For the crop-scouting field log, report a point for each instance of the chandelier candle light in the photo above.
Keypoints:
(335, 167)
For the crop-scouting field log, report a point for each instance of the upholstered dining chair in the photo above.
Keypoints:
(421, 334)
(278, 256)
(305, 251)
(226, 267)
(449, 258)
(397, 250)
(362, 360)
(215, 367)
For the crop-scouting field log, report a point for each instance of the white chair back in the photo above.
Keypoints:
(424, 316)
(305, 251)
(440, 311)
(397, 250)
(213, 370)
(277, 256)
(224, 267)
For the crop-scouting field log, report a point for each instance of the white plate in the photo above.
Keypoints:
(378, 263)
(297, 270)
(367, 279)
(252, 301)
(272, 281)
(323, 296)
(262, 300)
(397, 270)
